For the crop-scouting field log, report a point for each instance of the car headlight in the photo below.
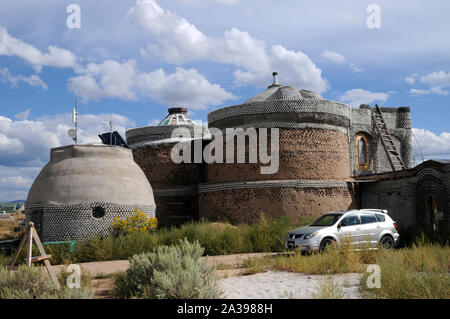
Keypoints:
(310, 235)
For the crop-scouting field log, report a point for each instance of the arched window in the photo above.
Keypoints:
(362, 152)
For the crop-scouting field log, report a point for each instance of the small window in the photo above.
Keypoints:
(350, 220)
(362, 152)
(368, 218)
(98, 212)
(380, 217)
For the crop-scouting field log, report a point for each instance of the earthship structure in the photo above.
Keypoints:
(331, 157)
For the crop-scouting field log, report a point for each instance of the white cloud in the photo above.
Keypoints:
(436, 81)
(179, 41)
(27, 142)
(431, 144)
(183, 88)
(112, 79)
(433, 90)
(25, 145)
(56, 57)
(410, 79)
(23, 116)
(334, 56)
(356, 68)
(356, 97)
(32, 80)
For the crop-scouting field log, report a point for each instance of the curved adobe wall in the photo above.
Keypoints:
(313, 162)
(174, 185)
(239, 205)
(310, 153)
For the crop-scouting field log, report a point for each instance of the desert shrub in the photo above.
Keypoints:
(30, 283)
(268, 234)
(137, 222)
(175, 271)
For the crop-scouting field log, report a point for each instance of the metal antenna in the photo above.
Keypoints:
(110, 130)
(74, 135)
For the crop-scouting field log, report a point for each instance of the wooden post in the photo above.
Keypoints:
(31, 234)
(30, 243)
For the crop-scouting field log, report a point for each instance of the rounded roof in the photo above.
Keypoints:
(78, 174)
(283, 106)
(283, 93)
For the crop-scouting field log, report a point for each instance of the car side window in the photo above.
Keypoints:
(350, 220)
(380, 217)
(368, 218)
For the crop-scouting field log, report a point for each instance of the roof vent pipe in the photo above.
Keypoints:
(275, 78)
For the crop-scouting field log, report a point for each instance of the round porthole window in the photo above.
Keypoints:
(98, 212)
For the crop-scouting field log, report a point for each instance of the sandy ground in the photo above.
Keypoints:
(286, 285)
(266, 285)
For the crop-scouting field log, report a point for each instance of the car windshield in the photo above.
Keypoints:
(326, 220)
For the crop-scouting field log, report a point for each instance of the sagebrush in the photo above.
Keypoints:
(169, 272)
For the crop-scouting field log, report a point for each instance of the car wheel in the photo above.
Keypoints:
(325, 243)
(387, 242)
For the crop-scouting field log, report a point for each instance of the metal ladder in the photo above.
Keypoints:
(392, 153)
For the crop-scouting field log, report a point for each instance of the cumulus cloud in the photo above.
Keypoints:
(25, 145)
(432, 145)
(334, 56)
(179, 41)
(22, 116)
(356, 97)
(183, 88)
(14, 80)
(27, 142)
(437, 83)
(112, 79)
(56, 57)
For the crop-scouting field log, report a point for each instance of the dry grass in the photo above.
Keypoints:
(420, 271)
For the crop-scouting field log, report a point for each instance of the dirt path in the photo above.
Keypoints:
(232, 264)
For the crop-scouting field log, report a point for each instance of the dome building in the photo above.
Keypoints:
(314, 165)
(83, 188)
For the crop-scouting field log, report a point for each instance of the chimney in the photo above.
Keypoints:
(275, 80)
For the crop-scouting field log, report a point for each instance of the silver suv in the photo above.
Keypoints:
(364, 228)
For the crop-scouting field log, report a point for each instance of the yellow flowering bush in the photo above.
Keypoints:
(137, 222)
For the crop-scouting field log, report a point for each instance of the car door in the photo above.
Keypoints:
(350, 229)
(370, 228)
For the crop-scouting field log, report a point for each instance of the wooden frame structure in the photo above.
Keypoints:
(28, 237)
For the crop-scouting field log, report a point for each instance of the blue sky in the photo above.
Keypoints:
(131, 60)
